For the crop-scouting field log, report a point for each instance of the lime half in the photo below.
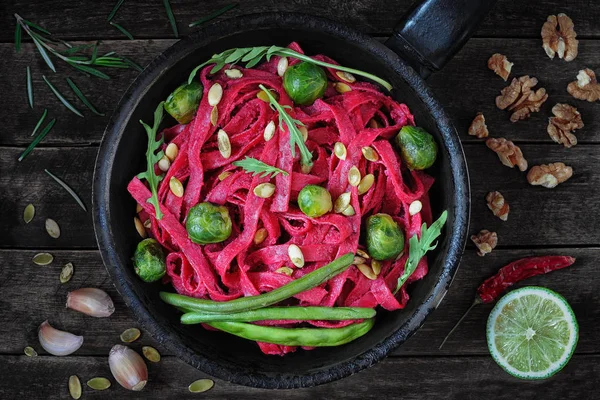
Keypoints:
(532, 332)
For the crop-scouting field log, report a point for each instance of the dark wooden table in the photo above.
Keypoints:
(562, 220)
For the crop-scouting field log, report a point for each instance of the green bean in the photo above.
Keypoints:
(283, 313)
(299, 285)
(313, 337)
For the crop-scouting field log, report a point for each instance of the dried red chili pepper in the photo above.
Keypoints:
(510, 274)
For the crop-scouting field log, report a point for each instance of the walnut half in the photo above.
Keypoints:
(586, 86)
(549, 175)
(500, 65)
(519, 98)
(566, 119)
(485, 241)
(478, 127)
(509, 153)
(559, 37)
(498, 205)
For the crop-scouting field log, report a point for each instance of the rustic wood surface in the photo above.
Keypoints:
(559, 221)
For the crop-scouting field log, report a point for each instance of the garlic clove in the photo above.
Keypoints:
(128, 367)
(56, 342)
(91, 301)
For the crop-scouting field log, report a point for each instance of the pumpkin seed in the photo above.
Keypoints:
(285, 271)
(99, 383)
(139, 227)
(366, 183)
(224, 175)
(201, 385)
(43, 259)
(376, 267)
(263, 96)
(214, 116)
(215, 93)
(30, 352)
(66, 273)
(176, 187)
(151, 353)
(264, 190)
(52, 228)
(354, 176)
(233, 73)
(415, 207)
(363, 254)
(164, 164)
(269, 131)
(138, 208)
(349, 211)
(339, 149)
(224, 143)
(346, 76)
(260, 236)
(342, 202)
(171, 151)
(367, 271)
(304, 133)
(370, 154)
(341, 87)
(282, 66)
(305, 169)
(358, 260)
(28, 213)
(130, 335)
(373, 123)
(296, 255)
(74, 387)
(147, 223)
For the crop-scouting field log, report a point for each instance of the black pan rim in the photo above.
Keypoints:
(101, 195)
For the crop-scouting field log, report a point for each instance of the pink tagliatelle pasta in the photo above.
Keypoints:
(237, 267)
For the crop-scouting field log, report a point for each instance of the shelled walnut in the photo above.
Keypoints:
(586, 86)
(549, 175)
(519, 98)
(500, 65)
(560, 127)
(478, 127)
(485, 241)
(559, 37)
(498, 205)
(508, 153)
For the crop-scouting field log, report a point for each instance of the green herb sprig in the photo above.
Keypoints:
(62, 98)
(122, 30)
(292, 124)
(68, 189)
(213, 15)
(418, 247)
(152, 157)
(253, 55)
(82, 97)
(29, 88)
(37, 139)
(40, 121)
(255, 166)
(171, 17)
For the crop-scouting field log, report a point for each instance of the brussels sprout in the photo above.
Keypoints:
(183, 103)
(314, 201)
(305, 82)
(385, 239)
(417, 147)
(149, 260)
(208, 223)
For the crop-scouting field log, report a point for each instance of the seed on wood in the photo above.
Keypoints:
(30, 352)
(151, 353)
(74, 387)
(66, 273)
(201, 385)
(130, 335)
(98, 383)
(52, 228)
(28, 213)
(43, 259)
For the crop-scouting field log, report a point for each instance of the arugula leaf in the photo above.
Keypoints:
(418, 247)
(296, 138)
(250, 164)
(152, 157)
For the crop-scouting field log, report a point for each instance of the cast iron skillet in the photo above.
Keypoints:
(428, 36)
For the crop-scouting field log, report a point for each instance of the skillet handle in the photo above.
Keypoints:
(432, 31)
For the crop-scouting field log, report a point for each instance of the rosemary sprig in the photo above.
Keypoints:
(255, 166)
(152, 157)
(296, 138)
(29, 88)
(68, 189)
(37, 140)
(18, 34)
(171, 17)
(62, 99)
(253, 55)
(213, 15)
(123, 30)
(82, 97)
(39, 123)
(114, 10)
(418, 247)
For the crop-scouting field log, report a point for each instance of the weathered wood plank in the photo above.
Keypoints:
(148, 20)
(538, 216)
(32, 294)
(464, 87)
(429, 378)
